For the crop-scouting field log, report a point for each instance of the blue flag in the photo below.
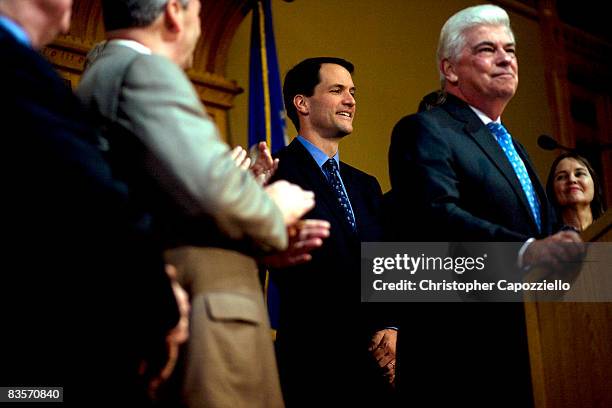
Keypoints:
(266, 109)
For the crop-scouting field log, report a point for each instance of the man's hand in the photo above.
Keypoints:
(239, 156)
(263, 165)
(177, 336)
(304, 236)
(562, 251)
(292, 201)
(382, 347)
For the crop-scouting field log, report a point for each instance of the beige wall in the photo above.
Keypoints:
(392, 45)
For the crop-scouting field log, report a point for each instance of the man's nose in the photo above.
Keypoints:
(349, 99)
(504, 57)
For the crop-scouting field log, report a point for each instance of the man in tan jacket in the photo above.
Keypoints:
(212, 215)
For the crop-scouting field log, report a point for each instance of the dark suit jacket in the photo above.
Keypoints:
(450, 170)
(452, 182)
(85, 296)
(322, 328)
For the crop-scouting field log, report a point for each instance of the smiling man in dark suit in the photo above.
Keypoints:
(319, 337)
(459, 176)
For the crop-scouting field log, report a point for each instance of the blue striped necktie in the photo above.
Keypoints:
(505, 142)
(330, 167)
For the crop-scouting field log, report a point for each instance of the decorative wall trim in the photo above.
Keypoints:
(220, 20)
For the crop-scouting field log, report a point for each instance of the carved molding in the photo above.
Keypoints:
(220, 20)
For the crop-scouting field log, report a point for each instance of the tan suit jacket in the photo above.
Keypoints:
(153, 98)
(229, 359)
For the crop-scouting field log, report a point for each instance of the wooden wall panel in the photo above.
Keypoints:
(220, 19)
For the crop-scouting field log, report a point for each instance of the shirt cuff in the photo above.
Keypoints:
(519, 261)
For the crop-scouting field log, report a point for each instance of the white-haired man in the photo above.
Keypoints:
(464, 178)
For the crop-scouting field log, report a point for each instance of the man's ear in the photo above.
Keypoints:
(448, 70)
(301, 104)
(172, 16)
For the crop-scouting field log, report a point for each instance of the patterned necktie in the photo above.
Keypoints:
(331, 170)
(505, 142)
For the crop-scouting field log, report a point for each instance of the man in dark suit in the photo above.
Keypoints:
(459, 176)
(318, 340)
(85, 299)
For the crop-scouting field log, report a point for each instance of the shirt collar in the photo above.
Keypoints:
(484, 118)
(135, 45)
(317, 154)
(15, 30)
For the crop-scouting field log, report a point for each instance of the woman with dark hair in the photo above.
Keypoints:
(575, 191)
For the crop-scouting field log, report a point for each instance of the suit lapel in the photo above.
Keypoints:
(475, 129)
(316, 181)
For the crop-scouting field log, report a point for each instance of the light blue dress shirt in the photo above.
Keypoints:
(321, 158)
(16, 30)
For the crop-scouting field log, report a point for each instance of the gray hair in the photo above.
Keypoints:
(452, 37)
(132, 13)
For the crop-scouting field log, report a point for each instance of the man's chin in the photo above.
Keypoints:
(337, 136)
(345, 131)
(506, 91)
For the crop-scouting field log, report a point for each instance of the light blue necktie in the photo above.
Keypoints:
(331, 170)
(505, 142)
